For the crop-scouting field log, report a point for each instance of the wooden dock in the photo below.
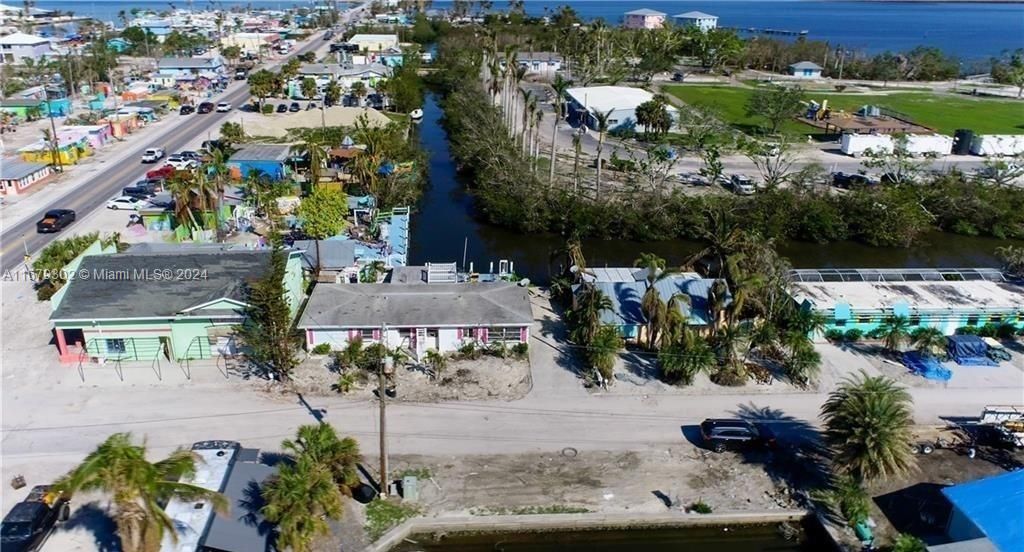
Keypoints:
(756, 30)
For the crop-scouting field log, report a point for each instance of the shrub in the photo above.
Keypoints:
(730, 376)
(876, 333)
(469, 351)
(967, 330)
(834, 335)
(700, 507)
(322, 349)
(1005, 330)
(520, 350)
(853, 334)
(908, 543)
(988, 330)
(346, 381)
(267, 109)
(497, 349)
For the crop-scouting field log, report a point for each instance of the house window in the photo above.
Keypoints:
(840, 323)
(467, 333)
(915, 320)
(864, 319)
(504, 334)
(995, 319)
(366, 335)
(613, 122)
(972, 320)
(115, 346)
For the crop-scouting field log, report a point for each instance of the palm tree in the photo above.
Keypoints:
(527, 98)
(560, 86)
(651, 304)
(138, 488)
(929, 341)
(179, 185)
(602, 130)
(316, 156)
(803, 363)
(436, 361)
(676, 322)
(517, 75)
(682, 361)
(718, 294)
(603, 349)
(577, 145)
(867, 425)
(321, 444)
(895, 331)
(300, 499)
(585, 315)
(536, 118)
(217, 166)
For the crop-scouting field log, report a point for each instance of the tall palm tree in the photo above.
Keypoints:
(300, 499)
(321, 444)
(602, 130)
(517, 75)
(929, 341)
(577, 146)
(585, 315)
(179, 186)
(867, 425)
(603, 349)
(527, 96)
(654, 309)
(676, 322)
(560, 86)
(138, 488)
(895, 332)
(315, 154)
(718, 294)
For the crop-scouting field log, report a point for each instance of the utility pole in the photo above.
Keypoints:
(382, 396)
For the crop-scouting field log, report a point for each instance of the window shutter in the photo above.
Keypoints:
(483, 335)
(376, 335)
(522, 334)
(458, 334)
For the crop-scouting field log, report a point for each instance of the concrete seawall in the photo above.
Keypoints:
(573, 522)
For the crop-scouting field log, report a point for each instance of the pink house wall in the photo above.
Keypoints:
(644, 21)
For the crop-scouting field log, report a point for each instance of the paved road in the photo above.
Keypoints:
(94, 194)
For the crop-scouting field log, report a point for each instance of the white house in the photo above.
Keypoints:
(374, 42)
(345, 75)
(805, 70)
(701, 20)
(16, 48)
(643, 19)
(619, 101)
(417, 316)
(543, 63)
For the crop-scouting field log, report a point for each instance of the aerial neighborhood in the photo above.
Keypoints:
(414, 276)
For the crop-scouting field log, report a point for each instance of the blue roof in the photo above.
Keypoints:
(994, 505)
(626, 298)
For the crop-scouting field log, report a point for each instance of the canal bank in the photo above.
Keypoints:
(448, 228)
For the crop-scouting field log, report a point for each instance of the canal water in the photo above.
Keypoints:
(756, 538)
(446, 225)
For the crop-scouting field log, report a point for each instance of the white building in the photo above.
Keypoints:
(805, 70)
(417, 316)
(701, 20)
(371, 74)
(541, 63)
(620, 102)
(16, 48)
(374, 42)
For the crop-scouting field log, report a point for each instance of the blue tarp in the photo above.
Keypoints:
(927, 367)
(994, 505)
(969, 350)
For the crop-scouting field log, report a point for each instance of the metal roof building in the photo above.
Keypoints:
(989, 508)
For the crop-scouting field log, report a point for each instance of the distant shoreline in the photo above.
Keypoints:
(928, 1)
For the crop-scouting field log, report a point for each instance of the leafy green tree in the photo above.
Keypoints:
(321, 444)
(263, 84)
(332, 94)
(232, 133)
(654, 116)
(898, 165)
(1010, 71)
(715, 48)
(268, 332)
(929, 341)
(603, 350)
(323, 212)
(908, 543)
(231, 53)
(1012, 258)
(775, 104)
(307, 57)
(682, 361)
(138, 489)
(48, 266)
(867, 426)
(422, 30)
(895, 332)
(299, 500)
(308, 88)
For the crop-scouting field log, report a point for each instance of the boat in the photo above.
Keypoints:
(416, 114)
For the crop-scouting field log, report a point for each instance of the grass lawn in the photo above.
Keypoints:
(943, 113)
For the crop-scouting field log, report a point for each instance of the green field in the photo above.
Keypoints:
(942, 112)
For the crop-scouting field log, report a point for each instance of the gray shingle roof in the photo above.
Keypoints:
(21, 102)
(336, 254)
(12, 168)
(138, 296)
(187, 63)
(805, 65)
(244, 528)
(416, 305)
(262, 152)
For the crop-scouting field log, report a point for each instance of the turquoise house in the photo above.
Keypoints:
(118, 45)
(947, 299)
(161, 302)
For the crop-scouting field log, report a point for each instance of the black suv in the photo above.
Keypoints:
(205, 107)
(722, 434)
(27, 526)
(55, 221)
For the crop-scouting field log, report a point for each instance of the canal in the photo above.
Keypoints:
(446, 225)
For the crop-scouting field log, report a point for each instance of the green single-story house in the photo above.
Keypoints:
(951, 300)
(161, 302)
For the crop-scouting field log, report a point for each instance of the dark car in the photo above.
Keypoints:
(140, 190)
(847, 181)
(55, 221)
(282, 108)
(27, 526)
(186, 110)
(310, 105)
(294, 107)
(722, 434)
(206, 107)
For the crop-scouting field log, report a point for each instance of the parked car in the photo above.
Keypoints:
(241, 74)
(193, 155)
(182, 164)
(741, 185)
(126, 202)
(847, 181)
(282, 108)
(205, 107)
(55, 220)
(294, 107)
(310, 106)
(152, 155)
(27, 526)
(164, 172)
(141, 192)
(223, 107)
(722, 434)
(186, 110)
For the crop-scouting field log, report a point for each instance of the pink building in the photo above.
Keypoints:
(643, 19)
(96, 135)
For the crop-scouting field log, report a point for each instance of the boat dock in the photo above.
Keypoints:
(756, 30)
